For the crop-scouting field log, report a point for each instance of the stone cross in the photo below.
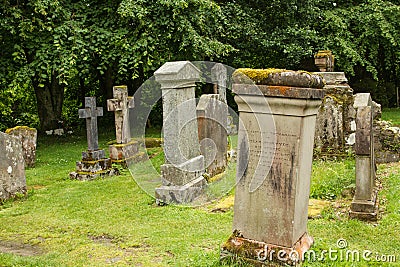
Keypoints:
(90, 113)
(120, 104)
(218, 77)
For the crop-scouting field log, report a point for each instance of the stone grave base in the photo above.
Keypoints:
(366, 210)
(93, 165)
(124, 154)
(240, 249)
(167, 194)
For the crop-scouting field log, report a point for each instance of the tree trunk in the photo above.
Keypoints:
(106, 85)
(49, 99)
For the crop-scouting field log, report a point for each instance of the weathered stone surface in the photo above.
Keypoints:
(275, 145)
(180, 130)
(28, 137)
(212, 123)
(264, 254)
(278, 91)
(324, 60)
(120, 104)
(364, 200)
(386, 142)
(335, 126)
(90, 113)
(12, 167)
(364, 132)
(277, 77)
(93, 163)
(219, 76)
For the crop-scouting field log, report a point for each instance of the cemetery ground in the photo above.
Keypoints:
(111, 221)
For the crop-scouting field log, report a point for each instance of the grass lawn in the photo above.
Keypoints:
(392, 115)
(112, 222)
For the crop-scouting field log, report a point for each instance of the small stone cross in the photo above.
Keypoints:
(90, 113)
(120, 104)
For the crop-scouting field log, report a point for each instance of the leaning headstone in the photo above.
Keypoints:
(275, 148)
(12, 167)
(125, 150)
(93, 163)
(212, 119)
(182, 173)
(364, 204)
(28, 138)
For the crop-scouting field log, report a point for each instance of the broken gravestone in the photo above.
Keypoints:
(28, 138)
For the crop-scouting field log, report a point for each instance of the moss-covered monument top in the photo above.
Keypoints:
(278, 82)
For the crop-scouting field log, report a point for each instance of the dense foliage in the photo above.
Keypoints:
(55, 52)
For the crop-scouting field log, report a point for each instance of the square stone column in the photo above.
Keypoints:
(275, 148)
(182, 179)
(364, 204)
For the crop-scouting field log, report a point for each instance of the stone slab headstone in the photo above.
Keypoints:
(219, 77)
(182, 173)
(364, 204)
(93, 163)
(28, 137)
(212, 121)
(275, 147)
(125, 150)
(12, 167)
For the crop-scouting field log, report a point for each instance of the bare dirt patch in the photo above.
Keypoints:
(19, 249)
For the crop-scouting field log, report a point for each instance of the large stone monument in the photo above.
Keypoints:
(212, 120)
(364, 204)
(28, 138)
(12, 167)
(182, 173)
(93, 163)
(275, 147)
(125, 149)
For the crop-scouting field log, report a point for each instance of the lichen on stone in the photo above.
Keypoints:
(324, 53)
(278, 77)
(10, 130)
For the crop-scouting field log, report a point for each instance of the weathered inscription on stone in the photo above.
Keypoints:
(270, 163)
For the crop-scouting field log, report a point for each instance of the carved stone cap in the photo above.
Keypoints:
(278, 77)
(178, 74)
(278, 91)
(332, 78)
